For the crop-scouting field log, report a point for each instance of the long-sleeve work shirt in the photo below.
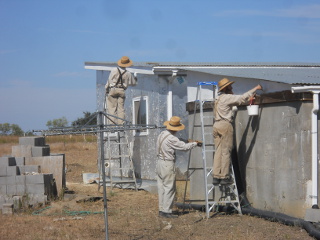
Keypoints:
(127, 79)
(167, 143)
(225, 102)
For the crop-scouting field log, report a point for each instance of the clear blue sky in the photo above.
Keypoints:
(44, 44)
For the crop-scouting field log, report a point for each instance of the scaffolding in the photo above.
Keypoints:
(100, 128)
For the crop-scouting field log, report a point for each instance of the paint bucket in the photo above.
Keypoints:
(253, 110)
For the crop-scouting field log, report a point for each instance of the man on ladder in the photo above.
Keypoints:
(223, 128)
(118, 82)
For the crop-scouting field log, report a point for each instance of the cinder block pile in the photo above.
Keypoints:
(23, 183)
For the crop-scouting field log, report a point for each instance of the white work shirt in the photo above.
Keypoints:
(170, 144)
(127, 78)
(225, 102)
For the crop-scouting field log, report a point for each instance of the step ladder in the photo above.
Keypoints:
(118, 163)
(229, 193)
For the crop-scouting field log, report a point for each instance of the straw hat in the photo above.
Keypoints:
(223, 83)
(125, 62)
(174, 124)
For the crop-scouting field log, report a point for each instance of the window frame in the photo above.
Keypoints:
(134, 117)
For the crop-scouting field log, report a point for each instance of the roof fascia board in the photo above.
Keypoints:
(132, 70)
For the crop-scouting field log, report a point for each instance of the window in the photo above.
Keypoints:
(140, 113)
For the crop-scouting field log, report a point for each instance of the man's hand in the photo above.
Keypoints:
(258, 87)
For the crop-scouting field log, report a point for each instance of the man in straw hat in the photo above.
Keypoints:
(118, 81)
(223, 128)
(167, 143)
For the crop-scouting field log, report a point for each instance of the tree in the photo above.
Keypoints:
(10, 129)
(4, 128)
(57, 123)
(84, 120)
(16, 130)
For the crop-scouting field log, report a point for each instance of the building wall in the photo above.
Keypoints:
(274, 154)
(272, 157)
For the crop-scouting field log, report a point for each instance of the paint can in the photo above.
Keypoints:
(253, 110)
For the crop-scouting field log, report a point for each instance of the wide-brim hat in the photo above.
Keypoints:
(174, 124)
(125, 62)
(223, 83)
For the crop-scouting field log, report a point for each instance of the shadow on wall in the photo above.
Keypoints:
(240, 165)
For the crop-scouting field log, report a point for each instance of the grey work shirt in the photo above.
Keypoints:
(225, 102)
(170, 144)
(127, 77)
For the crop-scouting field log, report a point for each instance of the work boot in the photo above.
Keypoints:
(168, 215)
(226, 181)
(215, 181)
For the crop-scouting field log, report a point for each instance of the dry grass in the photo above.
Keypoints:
(131, 214)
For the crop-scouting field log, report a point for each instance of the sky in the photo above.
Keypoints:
(44, 44)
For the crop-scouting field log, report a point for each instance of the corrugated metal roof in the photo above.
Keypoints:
(290, 73)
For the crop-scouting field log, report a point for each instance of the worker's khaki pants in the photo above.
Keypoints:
(166, 180)
(223, 141)
(115, 105)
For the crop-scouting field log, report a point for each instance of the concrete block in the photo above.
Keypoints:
(7, 208)
(36, 199)
(40, 151)
(2, 200)
(20, 180)
(20, 161)
(3, 171)
(13, 190)
(7, 161)
(54, 164)
(17, 202)
(32, 141)
(12, 171)
(3, 190)
(21, 151)
(41, 184)
(7, 180)
(39, 178)
(312, 215)
(24, 169)
(38, 188)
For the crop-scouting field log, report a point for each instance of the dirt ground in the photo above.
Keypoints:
(131, 214)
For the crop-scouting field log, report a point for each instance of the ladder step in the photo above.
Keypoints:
(122, 168)
(120, 181)
(123, 181)
(117, 157)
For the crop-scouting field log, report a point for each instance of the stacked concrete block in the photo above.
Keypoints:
(31, 147)
(29, 176)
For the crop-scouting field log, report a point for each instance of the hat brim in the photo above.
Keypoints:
(173, 128)
(126, 64)
(226, 85)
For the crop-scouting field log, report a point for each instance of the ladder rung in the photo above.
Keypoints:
(123, 181)
(118, 143)
(117, 157)
(120, 181)
(210, 150)
(120, 168)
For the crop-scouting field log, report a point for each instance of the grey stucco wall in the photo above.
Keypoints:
(156, 90)
(272, 157)
(274, 154)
